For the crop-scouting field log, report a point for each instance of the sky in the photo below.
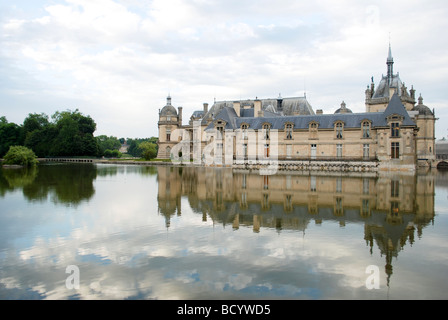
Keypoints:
(118, 60)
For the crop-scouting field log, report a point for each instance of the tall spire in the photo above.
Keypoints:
(390, 65)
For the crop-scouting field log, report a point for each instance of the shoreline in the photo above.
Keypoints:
(334, 171)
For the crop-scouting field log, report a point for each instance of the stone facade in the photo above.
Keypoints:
(394, 133)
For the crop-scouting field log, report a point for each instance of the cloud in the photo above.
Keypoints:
(118, 60)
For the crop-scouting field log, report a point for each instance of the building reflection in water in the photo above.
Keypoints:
(393, 208)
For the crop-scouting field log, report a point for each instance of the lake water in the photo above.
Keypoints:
(136, 232)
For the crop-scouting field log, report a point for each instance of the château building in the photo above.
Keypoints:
(396, 132)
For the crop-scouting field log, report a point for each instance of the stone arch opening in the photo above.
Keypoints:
(442, 165)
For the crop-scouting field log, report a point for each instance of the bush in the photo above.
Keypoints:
(149, 150)
(19, 155)
(112, 153)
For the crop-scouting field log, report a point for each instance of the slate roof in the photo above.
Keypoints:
(198, 114)
(395, 106)
(383, 87)
(325, 121)
(289, 106)
(168, 110)
(422, 109)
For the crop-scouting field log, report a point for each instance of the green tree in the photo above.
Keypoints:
(39, 133)
(41, 141)
(133, 149)
(134, 144)
(74, 135)
(20, 155)
(107, 143)
(149, 150)
(11, 134)
(34, 122)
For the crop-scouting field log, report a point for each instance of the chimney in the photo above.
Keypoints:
(319, 111)
(180, 115)
(237, 107)
(279, 103)
(257, 108)
(205, 108)
(412, 91)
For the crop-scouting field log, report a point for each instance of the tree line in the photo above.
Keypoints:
(68, 134)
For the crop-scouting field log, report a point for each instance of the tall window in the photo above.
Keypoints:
(168, 134)
(366, 151)
(339, 150)
(266, 150)
(266, 129)
(244, 129)
(339, 129)
(366, 129)
(313, 151)
(395, 150)
(289, 131)
(394, 129)
(313, 130)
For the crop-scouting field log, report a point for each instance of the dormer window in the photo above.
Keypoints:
(366, 129)
(220, 131)
(244, 130)
(289, 131)
(313, 130)
(219, 126)
(266, 131)
(395, 129)
(339, 130)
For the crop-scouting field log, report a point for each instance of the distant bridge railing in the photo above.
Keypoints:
(79, 160)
